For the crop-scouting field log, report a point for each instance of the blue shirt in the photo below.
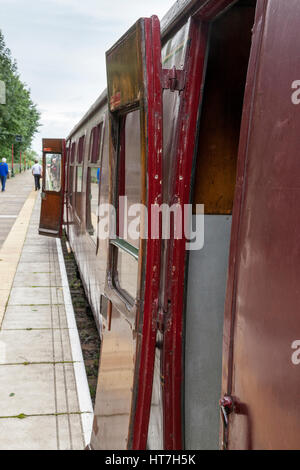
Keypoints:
(3, 169)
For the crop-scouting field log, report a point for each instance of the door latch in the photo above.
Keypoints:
(173, 79)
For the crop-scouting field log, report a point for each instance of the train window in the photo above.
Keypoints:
(126, 261)
(130, 174)
(96, 141)
(53, 172)
(127, 273)
(73, 148)
(78, 190)
(93, 178)
(80, 149)
(71, 185)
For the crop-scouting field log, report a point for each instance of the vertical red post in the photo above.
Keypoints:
(12, 160)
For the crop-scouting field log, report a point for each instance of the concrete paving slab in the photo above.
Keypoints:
(32, 387)
(36, 267)
(35, 296)
(37, 316)
(35, 250)
(69, 433)
(30, 257)
(35, 346)
(36, 280)
(41, 241)
(32, 433)
(66, 395)
(62, 348)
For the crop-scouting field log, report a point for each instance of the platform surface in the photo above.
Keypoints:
(40, 403)
(12, 200)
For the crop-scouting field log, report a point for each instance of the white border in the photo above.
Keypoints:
(83, 391)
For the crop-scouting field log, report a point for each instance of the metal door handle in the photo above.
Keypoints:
(226, 407)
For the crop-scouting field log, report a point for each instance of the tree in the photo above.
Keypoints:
(19, 116)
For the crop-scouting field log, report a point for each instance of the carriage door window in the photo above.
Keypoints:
(129, 192)
(53, 172)
(93, 180)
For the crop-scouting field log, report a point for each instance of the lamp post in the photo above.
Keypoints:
(12, 161)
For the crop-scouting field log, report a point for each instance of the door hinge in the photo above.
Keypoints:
(173, 79)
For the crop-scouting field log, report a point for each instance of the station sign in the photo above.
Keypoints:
(19, 138)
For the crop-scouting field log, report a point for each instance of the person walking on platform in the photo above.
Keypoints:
(37, 173)
(3, 173)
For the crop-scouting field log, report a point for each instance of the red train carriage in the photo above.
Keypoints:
(202, 110)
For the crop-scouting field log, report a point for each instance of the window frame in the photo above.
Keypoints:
(90, 165)
(120, 243)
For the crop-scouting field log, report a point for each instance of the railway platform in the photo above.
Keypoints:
(45, 402)
(12, 200)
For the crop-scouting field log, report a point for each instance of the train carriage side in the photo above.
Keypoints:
(86, 185)
(230, 143)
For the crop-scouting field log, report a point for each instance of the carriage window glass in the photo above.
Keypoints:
(96, 141)
(126, 264)
(73, 148)
(92, 201)
(79, 179)
(127, 273)
(71, 184)
(130, 172)
(78, 193)
(53, 172)
(80, 149)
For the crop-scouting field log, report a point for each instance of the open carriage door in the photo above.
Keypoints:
(53, 188)
(129, 332)
(261, 375)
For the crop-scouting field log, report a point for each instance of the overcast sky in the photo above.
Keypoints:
(60, 49)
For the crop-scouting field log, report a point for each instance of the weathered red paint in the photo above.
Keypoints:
(172, 349)
(154, 180)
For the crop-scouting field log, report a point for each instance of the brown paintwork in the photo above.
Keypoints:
(52, 202)
(262, 307)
